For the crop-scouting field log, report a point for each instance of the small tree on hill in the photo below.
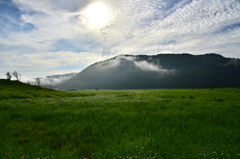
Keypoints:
(15, 74)
(38, 80)
(9, 76)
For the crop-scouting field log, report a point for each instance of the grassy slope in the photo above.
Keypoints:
(40, 123)
(19, 90)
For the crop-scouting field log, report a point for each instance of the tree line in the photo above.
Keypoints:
(15, 74)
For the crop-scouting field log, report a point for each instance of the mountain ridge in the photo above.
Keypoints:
(158, 71)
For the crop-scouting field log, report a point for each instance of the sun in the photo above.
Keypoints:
(96, 15)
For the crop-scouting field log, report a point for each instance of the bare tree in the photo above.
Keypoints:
(38, 80)
(15, 74)
(9, 76)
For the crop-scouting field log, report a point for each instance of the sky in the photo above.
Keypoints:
(48, 37)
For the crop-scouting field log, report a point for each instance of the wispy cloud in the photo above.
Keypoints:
(49, 80)
(49, 63)
(50, 35)
(133, 62)
(146, 66)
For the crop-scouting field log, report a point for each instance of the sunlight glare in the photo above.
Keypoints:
(96, 15)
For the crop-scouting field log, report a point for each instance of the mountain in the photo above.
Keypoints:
(49, 81)
(158, 71)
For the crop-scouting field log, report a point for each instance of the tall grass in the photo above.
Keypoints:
(122, 124)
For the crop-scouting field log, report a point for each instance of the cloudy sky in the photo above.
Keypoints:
(48, 37)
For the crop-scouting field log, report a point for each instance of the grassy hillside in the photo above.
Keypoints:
(19, 90)
(41, 123)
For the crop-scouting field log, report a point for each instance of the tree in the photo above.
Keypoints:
(38, 80)
(9, 76)
(15, 74)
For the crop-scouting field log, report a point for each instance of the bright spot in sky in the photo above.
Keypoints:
(96, 15)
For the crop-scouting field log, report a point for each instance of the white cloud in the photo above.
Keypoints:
(114, 62)
(60, 39)
(133, 61)
(37, 65)
(47, 80)
(144, 65)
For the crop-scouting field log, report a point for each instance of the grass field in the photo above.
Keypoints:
(38, 123)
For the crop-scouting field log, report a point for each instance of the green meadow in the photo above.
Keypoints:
(39, 123)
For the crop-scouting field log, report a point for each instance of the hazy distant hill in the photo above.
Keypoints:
(158, 71)
(49, 81)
